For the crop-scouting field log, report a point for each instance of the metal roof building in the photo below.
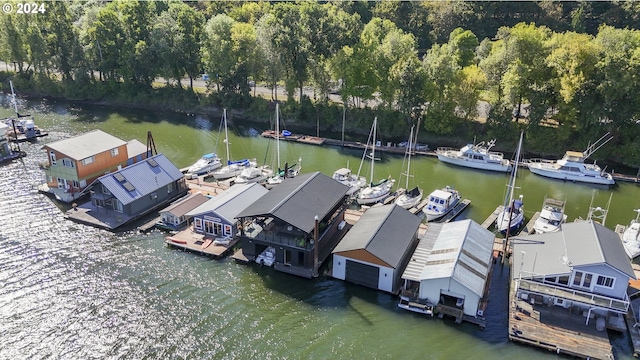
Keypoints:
(86, 145)
(298, 200)
(231, 202)
(377, 248)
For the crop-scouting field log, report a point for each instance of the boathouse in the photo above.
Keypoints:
(583, 268)
(127, 194)
(376, 250)
(449, 272)
(301, 220)
(174, 216)
(217, 217)
(74, 163)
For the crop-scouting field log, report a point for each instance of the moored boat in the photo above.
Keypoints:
(511, 218)
(476, 156)
(233, 168)
(206, 164)
(440, 203)
(411, 197)
(631, 237)
(253, 174)
(572, 166)
(353, 181)
(375, 191)
(551, 217)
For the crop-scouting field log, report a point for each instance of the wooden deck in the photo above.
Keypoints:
(556, 329)
(455, 211)
(189, 240)
(529, 227)
(305, 139)
(492, 217)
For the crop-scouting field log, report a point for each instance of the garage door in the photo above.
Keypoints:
(362, 274)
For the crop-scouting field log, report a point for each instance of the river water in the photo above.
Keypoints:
(72, 291)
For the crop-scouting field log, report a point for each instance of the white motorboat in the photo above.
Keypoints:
(476, 156)
(233, 168)
(374, 192)
(353, 181)
(411, 197)
(551, 217)
(631, 237)
(22, 126)
(206, 164)
(253, 174)
(572, 166)
(441, 202)
(511, 218)
(267, 257)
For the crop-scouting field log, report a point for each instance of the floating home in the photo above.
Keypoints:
(301, 219)
(567, 287)
(376, 250)
(122, 196)
(74, 163)
(450, 271)
(174, 216)
(217, 217)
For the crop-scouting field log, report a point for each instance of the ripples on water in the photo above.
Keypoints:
(72, 291)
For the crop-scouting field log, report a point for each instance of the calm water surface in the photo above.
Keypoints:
(72, 291)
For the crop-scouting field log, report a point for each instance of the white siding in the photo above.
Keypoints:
(339, 267)
(385, 282)
(431, 289)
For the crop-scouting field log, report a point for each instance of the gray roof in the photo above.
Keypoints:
(298, 200)
(231, 202)
(577, 244)
(86, 145)
(181, 207)
(385, 232)
(463, 252)
(135, 148)
(144, 178)
(419, 257)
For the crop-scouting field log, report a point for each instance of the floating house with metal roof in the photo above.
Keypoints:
(449, 272)
(74, 163)
(217, 217)
(131, 192)
(174, 216)
(299, 222)
(376, 250)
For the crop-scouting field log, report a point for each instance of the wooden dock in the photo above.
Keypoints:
(460, 206)
(305, 139)
(189, 240)
(529, 227)
(492, 217)
(149, 224)
(563, 331)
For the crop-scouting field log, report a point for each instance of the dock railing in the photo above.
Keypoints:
(613, 304)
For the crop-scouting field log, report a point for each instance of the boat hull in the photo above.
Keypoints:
(540, 169)
(433, 216)
(498, 167)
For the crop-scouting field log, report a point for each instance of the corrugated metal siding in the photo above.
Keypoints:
(420, 255)
(231, 202)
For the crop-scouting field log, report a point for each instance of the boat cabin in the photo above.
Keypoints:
(439, 201)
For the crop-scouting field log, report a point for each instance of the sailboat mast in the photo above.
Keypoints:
(13, 95)
(406, 186)
(278, 136)
(373, 148)
(226, 133)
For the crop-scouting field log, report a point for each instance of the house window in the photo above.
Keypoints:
(171, 187)
(605, 281)
(88, 160)
(75, 184)
(198, 224)
(563, 280)
(227, 230)
(68, 163)
(52, 155)
(114, 152)
(217, 229)
(117, 205)
(105, 190)
(582, 279)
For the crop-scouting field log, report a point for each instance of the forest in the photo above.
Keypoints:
(563, 72)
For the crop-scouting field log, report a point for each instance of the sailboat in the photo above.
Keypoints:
(288, 171)
(631, 237)
(233, 168)
(512, 216)
(411, 197)
(22, 126)
(374, 192)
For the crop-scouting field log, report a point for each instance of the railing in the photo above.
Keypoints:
(617, 305)
(539, 160)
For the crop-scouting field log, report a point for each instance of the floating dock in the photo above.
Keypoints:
(492, 217)
(455, 211)
(529, 227)
(305, 139)
(189, 240)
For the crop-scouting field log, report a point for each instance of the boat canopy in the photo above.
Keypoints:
(209, 156)
(244, 162)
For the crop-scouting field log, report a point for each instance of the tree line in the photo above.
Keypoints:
(565, 72)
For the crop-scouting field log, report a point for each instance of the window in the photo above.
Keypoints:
(88, 160)
(52, 156)
(198, 224)
(105, 190)
(582, 279)
(217, 229)
(171, 187)
(605, 281)
(68, 163)
(114, 152)
(563, 280)
(227, 230)
(75, 184)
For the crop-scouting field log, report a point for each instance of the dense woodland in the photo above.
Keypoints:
(564, 72)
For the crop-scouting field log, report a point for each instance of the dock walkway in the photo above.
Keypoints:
(455, 211)
(492, 217)
(529, 227)
(189, 240)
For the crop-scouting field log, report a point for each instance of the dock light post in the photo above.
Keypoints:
(315, 245)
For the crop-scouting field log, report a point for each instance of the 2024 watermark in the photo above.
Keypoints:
(24, 8)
